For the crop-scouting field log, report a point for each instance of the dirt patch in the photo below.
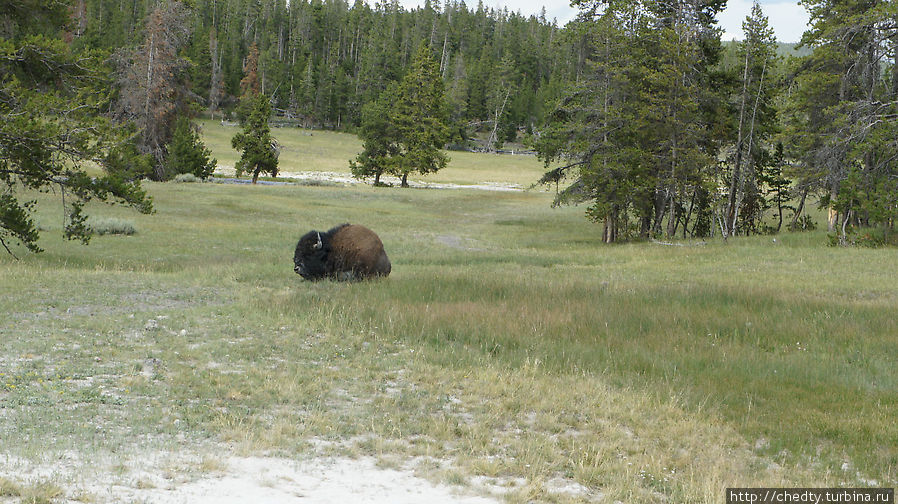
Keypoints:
(276, 480)
(273, 480)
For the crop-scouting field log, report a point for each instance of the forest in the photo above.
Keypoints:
(321, 61)
(637, 108)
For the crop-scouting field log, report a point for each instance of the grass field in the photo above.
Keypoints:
(508, 346)
(329, 151)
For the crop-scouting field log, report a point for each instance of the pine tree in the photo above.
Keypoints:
(380, 142)
(756, 122)
(637, 131)
(51, 128)
(599, 128)
(258, 150)
(355, 49)
(187, 153)
(249, 85)
(498, 102)
(843, 109)
(201, 63)
(681, 96)
(420, 116)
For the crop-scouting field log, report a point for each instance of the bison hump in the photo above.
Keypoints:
(359, 250)
(355, 237)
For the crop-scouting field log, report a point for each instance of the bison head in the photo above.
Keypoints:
(310, 258)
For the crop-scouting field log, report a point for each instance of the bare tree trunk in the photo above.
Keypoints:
(672, 217)
(150, 56)
(720, 223)
(493, 138)
(833, 214)
(779, 209)
(843, 238)
(660, 205)
(737, 167)
(689, 213)
(444, 58)
(215, 84)
(609, 234)
(749, 170)
(804, 196)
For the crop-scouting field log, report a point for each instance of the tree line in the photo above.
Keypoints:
(321, 61)
(636, 107)
(662, 137)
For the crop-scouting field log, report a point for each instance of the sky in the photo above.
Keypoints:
(787, 18)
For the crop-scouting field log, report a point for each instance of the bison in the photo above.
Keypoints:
(346, 252)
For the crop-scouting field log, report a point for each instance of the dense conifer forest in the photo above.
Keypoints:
(321, 61)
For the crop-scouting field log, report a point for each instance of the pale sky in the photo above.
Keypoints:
(788, 19)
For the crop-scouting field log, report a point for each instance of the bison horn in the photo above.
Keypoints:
(318, 245)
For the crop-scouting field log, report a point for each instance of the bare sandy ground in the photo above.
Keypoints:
(239, 480)
(283, 481)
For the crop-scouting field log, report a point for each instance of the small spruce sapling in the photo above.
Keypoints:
(187, 153)
(259, 151)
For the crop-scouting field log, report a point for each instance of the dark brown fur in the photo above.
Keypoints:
(346, 252)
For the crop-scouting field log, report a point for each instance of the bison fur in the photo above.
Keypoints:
(346, 252)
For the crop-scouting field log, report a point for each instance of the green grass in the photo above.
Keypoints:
(508, 340)
(328, 151)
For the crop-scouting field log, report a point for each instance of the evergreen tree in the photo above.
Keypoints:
(51, 99)
(201, 63)
(683, 105)
(841, 113)
(249, 85)
(187, 153)
(597, 128)
(420, 116)
(258, 150)
(756, 122)
(351, 50)
(380, 142)
(638, 132)
(307, 94)
(498, 103)
(779, 187)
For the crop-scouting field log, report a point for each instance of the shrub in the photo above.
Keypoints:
(804, 223)
(865, 237)
(186, 178)
(104, 226)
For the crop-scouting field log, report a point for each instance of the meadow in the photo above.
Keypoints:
(304, 150)
(510, 352)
